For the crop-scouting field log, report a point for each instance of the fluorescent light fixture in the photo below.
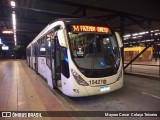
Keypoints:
(156, 30)
(5, 48)
(7, 32)
(15, 39)
(1, 41)
(14, 26)
(14, 19)
(156, 34)
(127, 35)
(148, 40)
(134, 37)
(13, 4)
(135, 34)
(147, 32)
(142, 33)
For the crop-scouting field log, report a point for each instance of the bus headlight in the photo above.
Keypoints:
(120, 75)
(78, 78)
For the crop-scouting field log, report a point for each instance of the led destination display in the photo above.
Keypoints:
(86, 28)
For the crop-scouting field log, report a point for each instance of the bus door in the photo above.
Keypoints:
(36, 58)
(56, 63)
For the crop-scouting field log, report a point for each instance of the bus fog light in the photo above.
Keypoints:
(76, 90)
(78, 78)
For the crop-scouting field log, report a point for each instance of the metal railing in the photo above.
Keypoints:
(144, 67)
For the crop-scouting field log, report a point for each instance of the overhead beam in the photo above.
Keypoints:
(38, 11)
(110, 16)
(84, 12)
(122, 34)
(129, 24)
(23, 20)
(77, 11)
(73, 4)
(140, 24)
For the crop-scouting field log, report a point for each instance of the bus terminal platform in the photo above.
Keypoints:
(21, 90)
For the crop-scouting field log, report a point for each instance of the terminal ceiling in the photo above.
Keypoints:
(32, 16)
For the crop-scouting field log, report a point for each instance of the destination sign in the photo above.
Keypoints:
(86, 28)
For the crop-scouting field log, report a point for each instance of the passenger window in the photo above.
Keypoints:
(49, 37)
(42, 48)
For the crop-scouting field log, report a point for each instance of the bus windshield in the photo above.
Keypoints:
(94, 50)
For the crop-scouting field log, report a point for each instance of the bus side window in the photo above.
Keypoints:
(42, 48)
(48, 49)
(64, 62)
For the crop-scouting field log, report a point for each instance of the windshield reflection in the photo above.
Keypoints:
(94, 51)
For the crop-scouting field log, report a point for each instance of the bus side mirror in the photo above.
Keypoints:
(62, 37)
(119, 39)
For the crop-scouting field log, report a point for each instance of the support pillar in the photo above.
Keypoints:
(84, 12)
(122, 34)
(155, 49)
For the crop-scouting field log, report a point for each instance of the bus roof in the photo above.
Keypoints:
(68, 21)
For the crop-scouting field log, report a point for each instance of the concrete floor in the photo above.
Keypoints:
(137, 94)
(22, 89)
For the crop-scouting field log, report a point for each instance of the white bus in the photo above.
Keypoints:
(80, 57)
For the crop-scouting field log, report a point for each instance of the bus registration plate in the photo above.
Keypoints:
(98, 82)
(104, 88)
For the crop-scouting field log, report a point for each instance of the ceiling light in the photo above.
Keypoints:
(5, 47)
(13, 4)
(148, 40)
(135, 34)
(142, 33)
(156, 30)
(7, 32)
(0, 41)
(134, 37)
(156, 34)
(127, 35)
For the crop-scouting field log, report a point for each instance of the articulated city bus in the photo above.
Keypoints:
(80, 57)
